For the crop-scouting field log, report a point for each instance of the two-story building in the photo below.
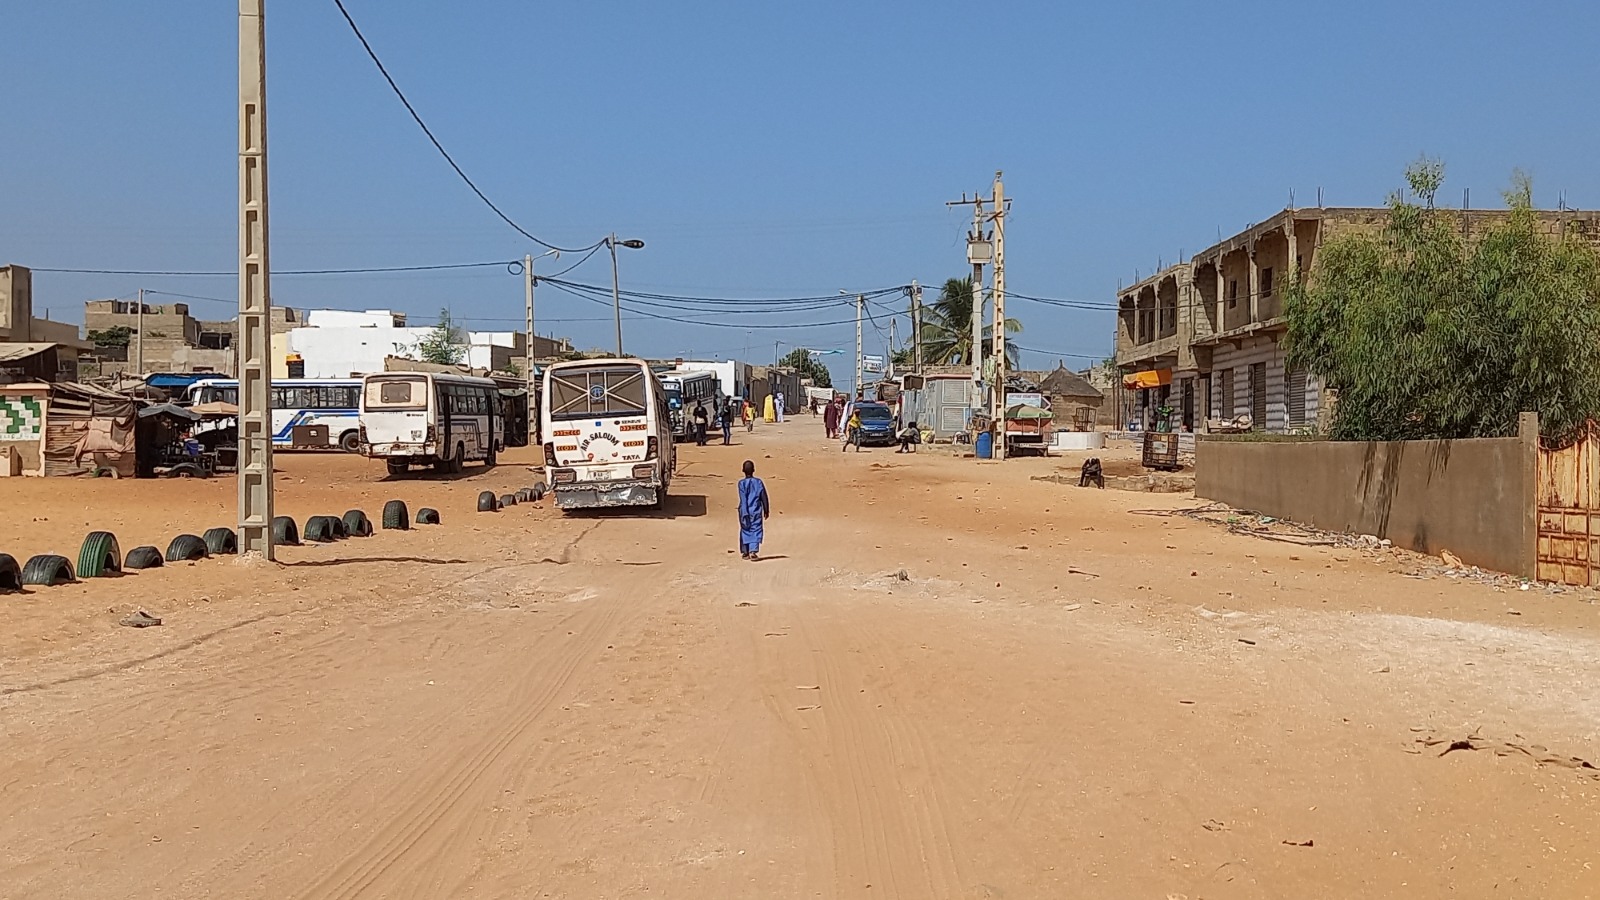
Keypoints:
(1204, 337)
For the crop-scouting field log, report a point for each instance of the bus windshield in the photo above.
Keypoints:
(598, 393)
(674, 398)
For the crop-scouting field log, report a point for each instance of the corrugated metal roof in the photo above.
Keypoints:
(18, 351)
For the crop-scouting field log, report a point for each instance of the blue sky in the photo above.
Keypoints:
(761, 149)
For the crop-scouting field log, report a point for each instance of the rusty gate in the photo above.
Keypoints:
(1567, 496)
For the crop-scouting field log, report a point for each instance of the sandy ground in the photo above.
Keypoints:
(946, 680)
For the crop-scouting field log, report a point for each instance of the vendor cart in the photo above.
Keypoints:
(1028, 429)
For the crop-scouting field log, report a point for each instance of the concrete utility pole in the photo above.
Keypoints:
(527, 362)
(255, 297)
(888, 358)
(978, 252)
(999, 349)
(138, 327)
(861, 301)
(916, 327)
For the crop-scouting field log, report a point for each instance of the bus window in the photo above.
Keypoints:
(397, 393)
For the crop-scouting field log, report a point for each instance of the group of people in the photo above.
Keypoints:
(841, 419)
(726, 412)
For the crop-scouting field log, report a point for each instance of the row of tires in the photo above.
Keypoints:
(100, 555)
(488, 502)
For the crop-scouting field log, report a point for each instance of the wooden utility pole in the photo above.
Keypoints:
(255, 298)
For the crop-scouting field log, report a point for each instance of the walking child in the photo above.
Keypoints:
(753, 511)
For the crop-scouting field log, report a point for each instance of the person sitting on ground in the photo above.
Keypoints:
(910, 437)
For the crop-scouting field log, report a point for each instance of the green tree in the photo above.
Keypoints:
(801, 360)
(947, 327)
(115, 336)
(1427, 334)
(443, 344)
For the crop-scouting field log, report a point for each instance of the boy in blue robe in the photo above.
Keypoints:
(753, 511)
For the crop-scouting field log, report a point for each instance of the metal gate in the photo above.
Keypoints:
(1567, 496)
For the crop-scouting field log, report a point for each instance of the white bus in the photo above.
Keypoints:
(296, 402)
(608, 440)
(438, 420)
(686, 389)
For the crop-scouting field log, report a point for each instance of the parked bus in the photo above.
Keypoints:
(608, 438)
(422, 418)
(297, 402)
(684, 390)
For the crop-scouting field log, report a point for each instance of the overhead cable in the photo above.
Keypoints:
(440, 147)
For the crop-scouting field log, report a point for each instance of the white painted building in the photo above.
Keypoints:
(336, 343)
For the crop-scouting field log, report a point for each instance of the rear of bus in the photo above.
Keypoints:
(395, 421)
(608, 442)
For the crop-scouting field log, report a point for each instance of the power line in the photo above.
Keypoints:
(440, 147)
(564, 287)
(509, 264)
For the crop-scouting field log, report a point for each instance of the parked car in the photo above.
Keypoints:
(877, 424)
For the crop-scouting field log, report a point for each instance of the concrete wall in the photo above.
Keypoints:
(1474, 498)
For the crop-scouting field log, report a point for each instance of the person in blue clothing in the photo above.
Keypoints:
(754, 507)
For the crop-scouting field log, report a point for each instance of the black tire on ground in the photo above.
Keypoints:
(523, 495)
(319, 529)
(10, 573)
(508, 500)
(356, 524)
(487, 502)
(427, 516)
(284, 532)
(459, 464)
(397, 467)
(143, 558)
(336, 528)
(187, 547)
(222, 542)
(539, 491)
(48, 569)
(350, 441)
(395, 516)
(99, 556)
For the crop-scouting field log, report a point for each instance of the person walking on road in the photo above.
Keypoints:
(700, 422)
(728, 408)
(748, 410)
(754, 507)
(852, 432)
(830, 420)
(777, 406)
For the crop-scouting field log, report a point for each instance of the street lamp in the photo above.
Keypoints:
(616, 294)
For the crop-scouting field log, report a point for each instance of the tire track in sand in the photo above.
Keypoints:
(446, 805)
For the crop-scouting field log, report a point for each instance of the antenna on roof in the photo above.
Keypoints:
(1319, 196)
(1291, 198)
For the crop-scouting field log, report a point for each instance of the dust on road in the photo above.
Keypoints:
(945, 680)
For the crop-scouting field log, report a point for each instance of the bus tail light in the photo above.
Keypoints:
(644, 471)
(433, 434)
(652, 448)
(563, 476)
(362, 434)
(550, 454)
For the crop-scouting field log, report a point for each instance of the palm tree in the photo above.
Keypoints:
(947, 328)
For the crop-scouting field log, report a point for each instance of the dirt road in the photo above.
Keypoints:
(946, 680)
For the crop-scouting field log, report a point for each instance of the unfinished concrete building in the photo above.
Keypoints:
(166, 338)
(1204, 338)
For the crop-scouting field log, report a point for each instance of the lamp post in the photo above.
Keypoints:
(616, 291)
